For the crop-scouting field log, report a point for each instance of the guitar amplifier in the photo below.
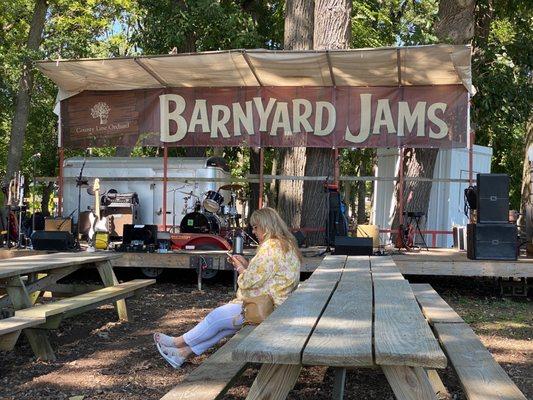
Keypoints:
(117, 217)
(58, 224)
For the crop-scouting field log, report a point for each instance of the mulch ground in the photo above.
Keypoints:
(99, 358)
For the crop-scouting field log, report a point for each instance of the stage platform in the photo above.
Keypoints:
(436, 262)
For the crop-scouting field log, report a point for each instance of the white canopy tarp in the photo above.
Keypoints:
(394, 66)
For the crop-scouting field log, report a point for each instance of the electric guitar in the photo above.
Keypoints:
(98, 224)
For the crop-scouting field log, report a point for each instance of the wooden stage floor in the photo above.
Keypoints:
(437, 262)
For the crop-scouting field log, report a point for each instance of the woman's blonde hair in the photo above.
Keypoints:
(274, 227)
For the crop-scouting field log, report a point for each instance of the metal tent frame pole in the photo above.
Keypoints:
(165, 183)
(60, 182)
(261, 177)
(401, 184)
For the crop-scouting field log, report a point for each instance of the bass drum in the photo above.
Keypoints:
(197, 222)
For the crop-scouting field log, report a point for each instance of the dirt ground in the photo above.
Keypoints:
(99, 358)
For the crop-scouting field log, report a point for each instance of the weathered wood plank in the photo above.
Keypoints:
(481, 376)
(384, 268)
(437, 385)
(68, 304)
(214, 376)
(280, 339)
(43, 262)
(401, 334)
(109, 279)
(20, 299)
(435, 309)
(343, 335)
(274, 381)
(11, 324)
(409, 383)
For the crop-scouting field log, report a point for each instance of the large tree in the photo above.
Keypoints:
(298, 36)
(332, 30)
(22, 102)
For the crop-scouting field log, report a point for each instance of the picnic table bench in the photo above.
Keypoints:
(480, 375)
(26, 278)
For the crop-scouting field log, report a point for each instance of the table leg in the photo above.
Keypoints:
(38, 338)
(105, 269)
(274, 382)
(438, 386)
(409, 383)
(339, 382)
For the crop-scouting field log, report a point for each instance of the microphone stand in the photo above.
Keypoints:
(79, 184)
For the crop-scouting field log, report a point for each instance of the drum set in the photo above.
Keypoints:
(208, 213)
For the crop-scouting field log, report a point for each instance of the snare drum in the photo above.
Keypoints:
(213, 200)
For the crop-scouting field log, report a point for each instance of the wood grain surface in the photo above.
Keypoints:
(402, 336)
(45, 262)
(481, 376)
(64, 305)
(435, 309)
(343, 335)
(281, 338)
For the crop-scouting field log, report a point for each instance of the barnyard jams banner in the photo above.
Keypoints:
(413, 116)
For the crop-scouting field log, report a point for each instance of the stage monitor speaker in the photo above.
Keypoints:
(147, 234)
(491, 242)
(353, 246)
(53, 240)
(492, 198)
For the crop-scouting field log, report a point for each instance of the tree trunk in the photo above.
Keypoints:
(48, 190)
(332, 30)
(22, 103)
(417, 163)
(455, 25)
(526, 204)
(456, 21)
(298, 36)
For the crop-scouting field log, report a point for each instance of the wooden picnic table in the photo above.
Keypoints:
(25, 278)
(352, 312)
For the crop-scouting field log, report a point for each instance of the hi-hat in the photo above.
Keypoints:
(231, 186)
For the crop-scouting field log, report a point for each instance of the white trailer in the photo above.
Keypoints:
(143, 175)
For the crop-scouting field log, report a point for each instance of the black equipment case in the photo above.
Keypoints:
(491, 242)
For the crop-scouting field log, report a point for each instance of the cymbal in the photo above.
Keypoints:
(231, 186)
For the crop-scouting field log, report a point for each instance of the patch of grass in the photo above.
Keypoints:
(503, 316)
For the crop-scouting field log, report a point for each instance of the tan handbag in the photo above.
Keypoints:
(257, 309)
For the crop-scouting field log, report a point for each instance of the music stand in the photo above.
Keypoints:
(416, 216)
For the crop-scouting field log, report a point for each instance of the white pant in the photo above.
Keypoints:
(219, 323)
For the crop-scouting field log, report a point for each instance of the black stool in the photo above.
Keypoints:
(416, 216)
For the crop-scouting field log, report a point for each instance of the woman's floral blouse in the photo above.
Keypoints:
(270, 272)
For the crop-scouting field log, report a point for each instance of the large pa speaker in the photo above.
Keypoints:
(353, 246)
(52, 240)
(492, 198)
(491, 241)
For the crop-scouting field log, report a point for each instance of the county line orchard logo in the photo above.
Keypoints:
(101, 110)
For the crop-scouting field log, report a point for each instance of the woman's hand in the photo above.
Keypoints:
(239, 262)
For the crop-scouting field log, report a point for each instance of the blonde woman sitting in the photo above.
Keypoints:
(274, 270)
